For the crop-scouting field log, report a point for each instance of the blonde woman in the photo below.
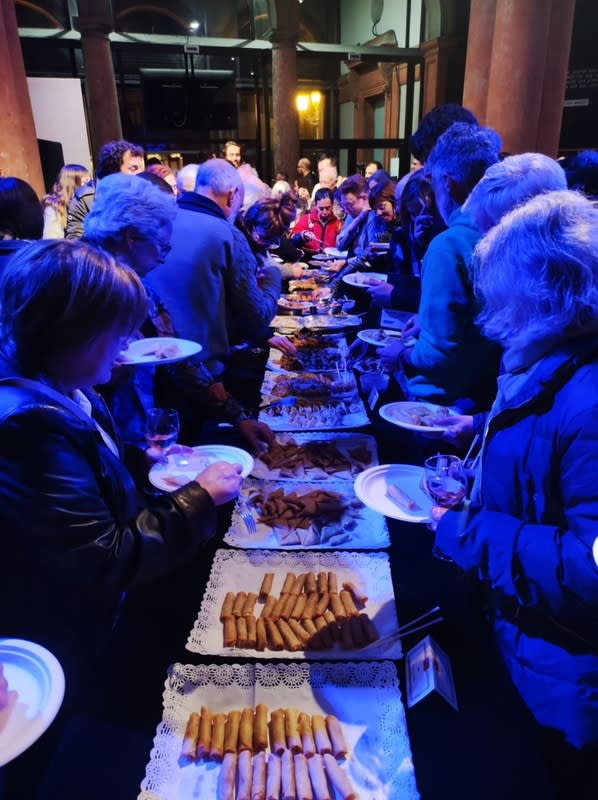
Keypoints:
(55, 204)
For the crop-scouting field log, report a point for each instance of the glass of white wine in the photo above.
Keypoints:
(445, 481)
(162, 428)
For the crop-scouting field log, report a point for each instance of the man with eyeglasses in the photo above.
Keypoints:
(352, 197)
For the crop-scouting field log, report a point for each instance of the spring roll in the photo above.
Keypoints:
(337, 607)
(288, 583)
(339, 779)
(309, 626)
(217, 744)
(273, 778)
(251, 624)
(229, 632)
(204, 738)
(319, 783)
(266, 586)
(369, 629)
(322, 740)
(322, 604)
(241, 632)
(346, 635)
(323, 636)
(347, 601)
(249, 605)
(302, 782)
(337, 737)
(268, 606)
(290, 638)
(311, 584)
(291, 729)
(298, 584)
(278, 740)
(278, 606)
(299, 632)
(189, 748)
(332, 583)
(246, 730)
(287, 769)
(274, 637)
(288, 606)
(227, 606)
(307, 738)
(261, 635)
(359, 596)
(322, 582)
(258, 778)
(260, 728)
(226, 777)
(401, 498)
(310, 606)
(240, 599)
(357, 634)
(335, 632)
(244, 775)
(231, 731)
(299, 606)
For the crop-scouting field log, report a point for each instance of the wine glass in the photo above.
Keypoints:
(445, 481)
(162, 428)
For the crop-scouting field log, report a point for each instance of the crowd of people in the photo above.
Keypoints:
(495, 257)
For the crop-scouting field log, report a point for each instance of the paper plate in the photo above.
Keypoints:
(159, 350)
(359, 280)
(378, 336)
(181, 468)
(401, 414)
(35, 692)
(371, 485)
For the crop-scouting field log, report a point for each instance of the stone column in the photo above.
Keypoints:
(19, 152)
(436, 56)
(285, 34)
(95, 24)
(479, 52)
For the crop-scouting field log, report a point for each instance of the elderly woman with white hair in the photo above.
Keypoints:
(529, 532)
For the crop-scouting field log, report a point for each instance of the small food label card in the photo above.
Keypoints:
(429, 669)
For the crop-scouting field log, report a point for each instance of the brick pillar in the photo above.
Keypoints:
(19, 153)
(285, 34)
(479, 53)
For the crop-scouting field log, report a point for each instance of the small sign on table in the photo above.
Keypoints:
(428, 669)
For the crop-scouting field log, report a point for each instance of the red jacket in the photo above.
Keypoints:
(325, 235)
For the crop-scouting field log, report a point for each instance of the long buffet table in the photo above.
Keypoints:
(487, 749)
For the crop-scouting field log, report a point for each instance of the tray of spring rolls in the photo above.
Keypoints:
(281, 732)
(320, 400)
(298, 605)
(316, 322)
(316, 456)
(304, 515)
(316, 352)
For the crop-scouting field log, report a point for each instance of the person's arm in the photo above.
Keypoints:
(77, 211)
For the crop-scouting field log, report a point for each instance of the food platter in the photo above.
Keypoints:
(316, 322)
(181, 468)
(158, 350)
(418, 416)
(371, 488)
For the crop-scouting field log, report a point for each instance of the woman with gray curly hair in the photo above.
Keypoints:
(529, 533)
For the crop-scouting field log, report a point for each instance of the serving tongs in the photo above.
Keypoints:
(284, 401)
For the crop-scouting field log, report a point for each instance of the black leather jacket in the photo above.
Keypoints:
(79, 208)
(73, 534)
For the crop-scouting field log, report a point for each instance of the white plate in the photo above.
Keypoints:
(370, 487)
(392, 318)
(36, 689)
(378, 336)
(335, 252)
(143, 351)
(381, 247)
(399, 414)
(183, 468)
(360, 280)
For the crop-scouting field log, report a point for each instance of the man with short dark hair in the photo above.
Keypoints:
(116, 156)
(231, 152)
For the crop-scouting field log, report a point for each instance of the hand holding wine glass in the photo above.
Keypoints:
(445, 481)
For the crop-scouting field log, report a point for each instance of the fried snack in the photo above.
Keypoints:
(287, 768)
(217, 744)
(357, 634)
(246, 731)
(250, 623)
(322, 604)
(298, 584)
(287, 609)
(229, 632)
(346, 635)
(261, 635)
(289, 579)
(273, 778)
(337, 607)
(291, 641)
(204, 737)
(260, 728)
(309, 626)
(332, 625)
(244, 774)
(278, 740)
(226, 777)
(241, 632)
(300, 632)
(266, 586)
(369, 629)
(332, 583)
(359, 597)
(291, 730)
(323, 636)
(189, 748)
(231, 731)
(240, 599)
(299, 606)
(268, 606)
(307, 738)
(310, 605)
(249, 605)
(274, 637)
(339, 779)
(279, 606)
(317, 775)
(401, 498)
(302, 782)
(227, 606)
(322, 582)
(258, 778)
(337, 737)
(347, 601)
(318, 726)
(311, 584)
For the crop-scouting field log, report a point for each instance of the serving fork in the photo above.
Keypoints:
(246, 515)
